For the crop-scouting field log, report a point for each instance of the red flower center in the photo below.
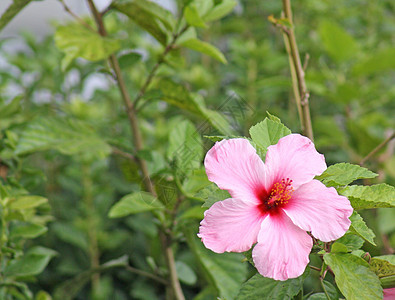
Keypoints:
(279, 195)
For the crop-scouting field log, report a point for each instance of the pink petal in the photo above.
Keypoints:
(294, 157)
(316, 208)
(230, 225)
(389, 294)
(234, 166)
(283, 249)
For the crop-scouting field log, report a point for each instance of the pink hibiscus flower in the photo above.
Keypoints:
(389, 294)
(272, 204)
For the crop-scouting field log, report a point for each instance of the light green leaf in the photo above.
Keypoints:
(26, 202)
(268, 132)
(343, 174)
(226, 270)
(67, 136)
(212, 194)
(390, 258)
(262, 288)
(185, 273)
(15, 7)
(134, 203)
(192, 16)
(353, 277)
(359, 227)
(205, 48)
(196, 181)
(150, 16)
(339, 248)
(195, 212)
(32, 263)
(185, 146)
(381, 61)
(339, 44)
(382, 267)
(77, 41)
(42, 295)
(29, 231)
(220, 10)
(362, 197)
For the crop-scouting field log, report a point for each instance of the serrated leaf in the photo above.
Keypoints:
(150, 16)
(268, 133)
(382, 267)
(205, 48)
(339, 44)
(15, 7)
(67, 136)
(259, 287)
(390, 258)
(359, 227)
(220, 10)
(134, 203)
(212, 194)
(191, 15)
(185, 146)
(363, 197)
(77, 41)
(32, 263)
(26, 202)
(353, 277)
(226, 270)
(343, 174)
(351, 241)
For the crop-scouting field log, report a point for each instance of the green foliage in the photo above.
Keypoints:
(205, 48)
(344, 174)
(353, 276)
(362, 197)
(359, 227)
(77, 41)
(15, 7)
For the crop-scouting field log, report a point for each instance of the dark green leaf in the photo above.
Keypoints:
(185, 273)
(351, 241)
(15, 7)
(353, 277)
(359, 227)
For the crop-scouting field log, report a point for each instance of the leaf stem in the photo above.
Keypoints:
(298, 79)
(146, 274)
(377, 149)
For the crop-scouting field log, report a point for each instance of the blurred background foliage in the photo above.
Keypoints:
(65, 136)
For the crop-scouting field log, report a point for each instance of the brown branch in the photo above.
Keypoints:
(377, 149)
(146, 274)
(71, 13)
(124, 154)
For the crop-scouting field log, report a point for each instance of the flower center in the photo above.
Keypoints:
(280, 194)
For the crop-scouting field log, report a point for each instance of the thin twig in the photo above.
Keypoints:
(147, 274)
(377, 149)
(124, 154)
(71, 13)
(315, 268)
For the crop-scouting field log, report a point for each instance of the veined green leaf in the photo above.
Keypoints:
(134, 203)
(362, 197)
(77, 41)
(359, 227)
(382, 267)
(343, 174)
(353, 277)
(268, 132)
(205, 48)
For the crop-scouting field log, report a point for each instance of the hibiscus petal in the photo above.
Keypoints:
(282, 250)
(234, 166)
(294, 157)
(230, 225)
(319, 209)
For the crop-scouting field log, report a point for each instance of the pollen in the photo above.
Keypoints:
(281, 193)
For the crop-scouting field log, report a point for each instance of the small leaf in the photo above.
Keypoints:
(220, 10)
(343, 174)
(359, 227)
(129, 59)
(26, 202)
(28, 231)
(185, 273)
(259, 287)
(382, 267)
(351, 241)
(134, 203)
(353, 277)
(205, 48)
(338, 247)
(212, 194)
(362, 197)
(268, 132)
(192, 16)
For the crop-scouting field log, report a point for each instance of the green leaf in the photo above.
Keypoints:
(343, 174)
(353, 277)
(362, 197)
(185, 146)
(390, 258)
(205, 48)
(70, 234)
(129, 59)
(150, 16)
(339, 248)
(29, 231)
(259, 287)
(381, 61)
(195, 212)
(67, 136)
(26, 202)
(330, 289)
(77, 41)
(42, 295)
(32, 263)
(226, 271)
(196, 181)
(185, 273)
(338, 43)
(15, 7)
(359, 227)
(134, 203)
(212, 194)
(268, 132)
(220, 10)
(351, 241)
(192, 16)
(382, 267)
